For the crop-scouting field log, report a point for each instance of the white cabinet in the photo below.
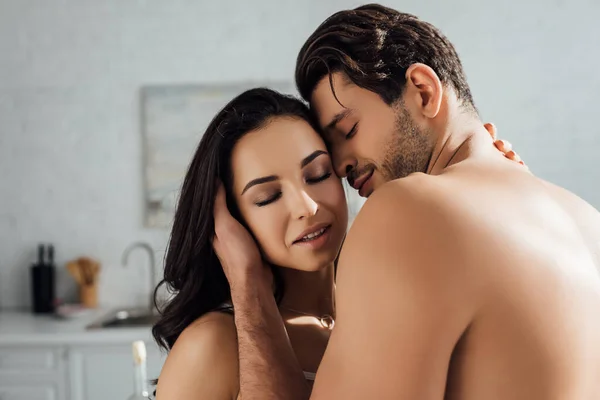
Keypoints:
(32, 373)
(30, 391)
(106, 372)
(93, 371)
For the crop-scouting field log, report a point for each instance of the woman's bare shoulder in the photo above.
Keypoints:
(211, 323)
(203, 363)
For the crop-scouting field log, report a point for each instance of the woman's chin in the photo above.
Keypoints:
(314, 265)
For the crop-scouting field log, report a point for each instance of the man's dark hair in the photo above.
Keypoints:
(373, 46)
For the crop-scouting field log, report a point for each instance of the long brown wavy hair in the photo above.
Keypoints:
(192, 272)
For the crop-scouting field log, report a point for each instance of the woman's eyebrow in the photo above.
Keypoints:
(259, 181)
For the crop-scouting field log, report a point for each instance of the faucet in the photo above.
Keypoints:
(152, 267)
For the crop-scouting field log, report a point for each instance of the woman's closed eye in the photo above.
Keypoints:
(268, 199)
(318, 179)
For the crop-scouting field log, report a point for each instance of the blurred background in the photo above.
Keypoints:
(82, 82)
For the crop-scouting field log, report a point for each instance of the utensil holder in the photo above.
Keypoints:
(88, 295)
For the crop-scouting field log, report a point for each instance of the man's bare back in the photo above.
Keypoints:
(533, 251)
(481, 282)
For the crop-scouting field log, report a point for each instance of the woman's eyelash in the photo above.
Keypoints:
(352, 131)
(269, 200)
(278, 195)
(319, 179)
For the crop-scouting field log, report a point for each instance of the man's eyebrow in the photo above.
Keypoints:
(337, 118)
(259, 181)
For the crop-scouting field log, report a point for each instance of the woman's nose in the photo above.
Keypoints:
(303, 206)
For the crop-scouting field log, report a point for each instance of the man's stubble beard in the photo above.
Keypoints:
(408, 150)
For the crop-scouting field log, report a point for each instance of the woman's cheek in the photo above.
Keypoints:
(269, 231)
(335, 194)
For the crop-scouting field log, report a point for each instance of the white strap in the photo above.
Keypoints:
(310, 376)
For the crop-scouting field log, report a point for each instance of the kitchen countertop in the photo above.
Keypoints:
(25, 328)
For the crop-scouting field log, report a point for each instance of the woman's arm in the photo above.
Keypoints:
(203, 363)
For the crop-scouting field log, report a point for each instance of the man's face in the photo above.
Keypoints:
(371, 142)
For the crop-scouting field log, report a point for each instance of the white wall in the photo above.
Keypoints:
(70, 72)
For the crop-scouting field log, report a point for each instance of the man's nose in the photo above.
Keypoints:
(343, 164)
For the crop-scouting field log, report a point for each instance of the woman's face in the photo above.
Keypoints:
(289, 195)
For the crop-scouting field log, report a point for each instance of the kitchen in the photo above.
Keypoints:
(72, 351)
(82, 84)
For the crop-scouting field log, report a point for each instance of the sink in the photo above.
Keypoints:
(125, 318)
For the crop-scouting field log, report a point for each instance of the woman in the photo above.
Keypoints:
(280, 183)
(281, 186)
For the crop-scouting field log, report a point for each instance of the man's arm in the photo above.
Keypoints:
(268, 366)
(402, 302)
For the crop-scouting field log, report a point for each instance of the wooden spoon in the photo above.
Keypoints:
(75, 271)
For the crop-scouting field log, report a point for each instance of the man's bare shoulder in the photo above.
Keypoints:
(203, 362)
(476, 255)
(406, 227)
(403, 297)
(406, 203)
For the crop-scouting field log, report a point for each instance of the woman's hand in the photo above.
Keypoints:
(503, 145)
(236, 248)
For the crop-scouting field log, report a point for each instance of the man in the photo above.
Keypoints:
(463, 277)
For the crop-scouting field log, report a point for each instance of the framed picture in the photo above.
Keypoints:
(174, 118)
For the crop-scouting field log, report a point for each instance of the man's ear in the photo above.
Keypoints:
(424, 90)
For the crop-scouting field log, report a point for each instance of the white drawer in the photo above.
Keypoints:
(36, 359)
(28, 392)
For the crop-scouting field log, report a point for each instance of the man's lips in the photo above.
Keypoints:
(366, 188)
(358, 183)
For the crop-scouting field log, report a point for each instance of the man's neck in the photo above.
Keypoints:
(462, 139)
(309, 292)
